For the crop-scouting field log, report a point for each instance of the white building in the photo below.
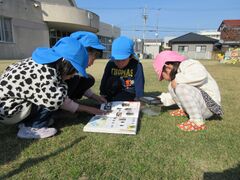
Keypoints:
(151, 48)
(166, 40)
(211, 33)
(27, 24)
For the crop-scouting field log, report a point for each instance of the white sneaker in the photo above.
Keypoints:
(35, 133)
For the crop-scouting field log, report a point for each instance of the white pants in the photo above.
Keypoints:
(190, 99)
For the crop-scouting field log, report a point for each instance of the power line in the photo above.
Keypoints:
(168, 9)
(202, 9)
(97, 8)
(154, 30)
(162, 27)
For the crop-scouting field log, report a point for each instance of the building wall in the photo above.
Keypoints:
(59, 2)
(28, 29)
(72, 19)
(151, 50)
(41, 23)
(108, 30)
(230, 31)
(166, 42)
(191, 52)
(230, 34)
(107, 33)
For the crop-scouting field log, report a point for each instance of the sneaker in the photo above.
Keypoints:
(50, 123)
(35, 133)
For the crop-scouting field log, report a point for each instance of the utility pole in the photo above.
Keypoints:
(145, 17)
(157, 29)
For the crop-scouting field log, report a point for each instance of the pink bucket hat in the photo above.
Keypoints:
(163, 57)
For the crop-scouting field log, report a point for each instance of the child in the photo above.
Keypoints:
(123, 78)
(30, 90)
(191, 87)
(81, 85)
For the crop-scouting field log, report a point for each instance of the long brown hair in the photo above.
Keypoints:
(174, 70)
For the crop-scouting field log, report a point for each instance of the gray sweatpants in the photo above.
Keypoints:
(190, 99)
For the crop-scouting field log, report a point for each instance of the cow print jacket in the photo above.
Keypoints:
(27, 82)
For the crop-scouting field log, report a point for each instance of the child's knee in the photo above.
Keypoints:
(180, 89)
(91, 80)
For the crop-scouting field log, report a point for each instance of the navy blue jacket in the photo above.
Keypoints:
(131, 78)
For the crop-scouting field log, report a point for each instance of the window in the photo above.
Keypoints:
(5, 29)
(55, 35)
(201, 48)
(107, 42)
(182, 48)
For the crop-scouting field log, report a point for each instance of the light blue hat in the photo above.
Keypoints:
(68, 48)
(122, 48)
(88, 39)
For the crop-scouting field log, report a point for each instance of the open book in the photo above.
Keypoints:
(121, 119)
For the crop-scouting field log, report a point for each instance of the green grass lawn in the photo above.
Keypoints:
(158, 151)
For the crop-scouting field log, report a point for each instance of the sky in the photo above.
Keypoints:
(161, 18)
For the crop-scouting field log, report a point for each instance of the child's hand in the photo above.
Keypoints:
(91, 110)
(99, 99)
(173, 84)
(96, 111)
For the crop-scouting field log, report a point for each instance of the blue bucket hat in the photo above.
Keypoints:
(68, 48)
(88, 39)
(122, 48)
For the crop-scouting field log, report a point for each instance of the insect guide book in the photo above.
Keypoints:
(121, 119)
